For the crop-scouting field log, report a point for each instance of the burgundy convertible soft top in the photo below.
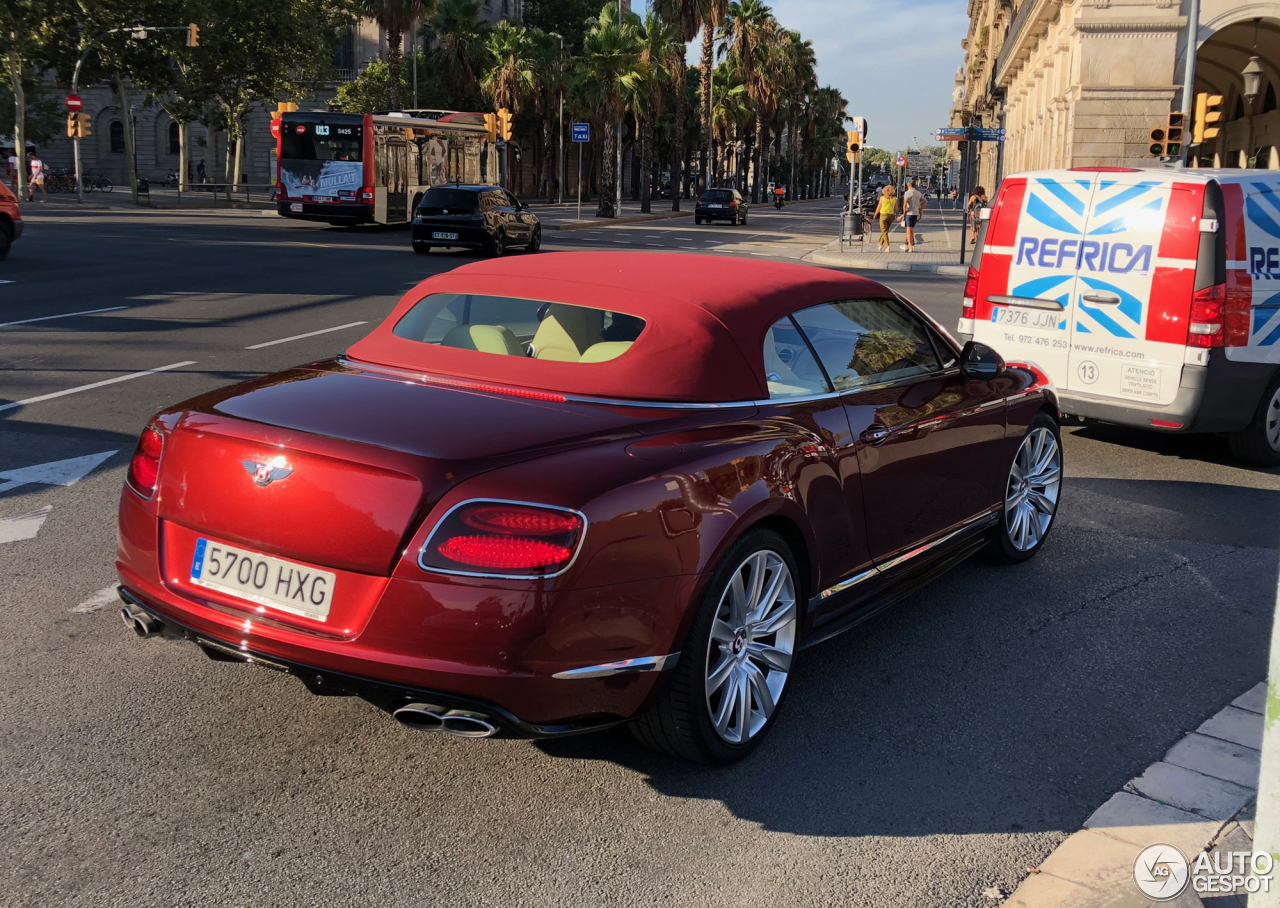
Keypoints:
(706, 317)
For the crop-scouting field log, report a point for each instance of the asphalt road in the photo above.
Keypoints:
(936, 751)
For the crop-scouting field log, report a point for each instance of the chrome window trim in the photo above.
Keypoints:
(622, 667)
(889, 565)
(532, 504)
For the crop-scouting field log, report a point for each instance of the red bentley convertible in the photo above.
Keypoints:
(552, 494)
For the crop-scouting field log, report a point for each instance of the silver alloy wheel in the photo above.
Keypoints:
(1271, 421)
(753, 637)
(1032, 494)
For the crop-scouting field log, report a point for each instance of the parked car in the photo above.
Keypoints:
(720, 205)
(10, 220)
(550, 495)
(474, 217)
(1147, 296)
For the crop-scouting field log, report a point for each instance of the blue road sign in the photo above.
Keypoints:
(988, 135)
(582, 132)
(956, 131)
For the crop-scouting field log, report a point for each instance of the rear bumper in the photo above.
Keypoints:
(468, 237)
(327, 682)
(1219, 397)
(355, 212)
(716, 214)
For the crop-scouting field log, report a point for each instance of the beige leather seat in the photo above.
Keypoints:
(567, 332)
(485, 338)
(782, 381)
(605, 351)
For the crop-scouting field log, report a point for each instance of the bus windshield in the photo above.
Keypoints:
(321, 142)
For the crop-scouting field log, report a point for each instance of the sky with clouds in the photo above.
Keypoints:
(895, 60)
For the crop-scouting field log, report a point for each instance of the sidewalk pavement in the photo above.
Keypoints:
(1199, 798)
(937, 240)
(160, 198)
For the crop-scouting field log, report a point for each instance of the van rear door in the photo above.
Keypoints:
(1027, 278)
(1135, 273)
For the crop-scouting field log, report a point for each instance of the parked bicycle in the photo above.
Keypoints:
(95, 181)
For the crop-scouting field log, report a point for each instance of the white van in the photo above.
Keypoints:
(1149, 297)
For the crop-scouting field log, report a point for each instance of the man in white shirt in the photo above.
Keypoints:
(37, 178)
(913, 203)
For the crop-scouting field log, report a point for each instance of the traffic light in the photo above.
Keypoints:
(282, 108)
(1173, 135)
(855, 144)
(491, 127)
(78, 125)
(193, 35)
(1208, 115)
(504, 123)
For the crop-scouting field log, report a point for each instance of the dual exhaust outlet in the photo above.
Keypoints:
(424, 716)
(456, 722)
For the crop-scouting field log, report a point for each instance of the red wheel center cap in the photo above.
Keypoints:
(739, 643)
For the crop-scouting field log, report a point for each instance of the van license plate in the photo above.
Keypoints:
(1029, 318)
(295, 206)
(441, 235)
(273, 582)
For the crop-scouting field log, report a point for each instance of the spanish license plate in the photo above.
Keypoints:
(441, 235)
(273, 582)
(295, 206)
(715, 206)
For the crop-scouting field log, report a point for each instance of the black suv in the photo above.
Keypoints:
(722, 204)
(474, 217)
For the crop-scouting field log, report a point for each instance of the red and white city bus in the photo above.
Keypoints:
(373, 168)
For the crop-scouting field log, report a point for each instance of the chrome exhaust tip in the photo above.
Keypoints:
(467, 725)
(422, 716)
(456, 722)
(141, 623)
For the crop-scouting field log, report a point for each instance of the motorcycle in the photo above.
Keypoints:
(777, 201)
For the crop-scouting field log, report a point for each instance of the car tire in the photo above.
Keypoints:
(753, 660)
(1029, 502)
(697, 221)
(6, 241)
(1259, 442)
(498, 245)
(536, 243)
(421, 248)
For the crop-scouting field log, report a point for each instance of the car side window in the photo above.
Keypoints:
(789, 366)
(510, 201)
(868, 342)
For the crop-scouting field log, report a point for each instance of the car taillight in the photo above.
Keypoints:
(366, 193)
(733, 204)
(970, 292)
(1208, 315)
(504, 539)
(281, 192)
(144, 469)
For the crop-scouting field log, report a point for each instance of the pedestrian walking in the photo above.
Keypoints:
(913, 203)
(37, 178)
(887, 208)
(977, 201)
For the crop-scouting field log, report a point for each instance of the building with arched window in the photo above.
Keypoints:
(1082, 82)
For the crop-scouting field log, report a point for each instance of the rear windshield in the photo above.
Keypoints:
(320, 142)
(509, 326)
(717, 195)
(452, 200)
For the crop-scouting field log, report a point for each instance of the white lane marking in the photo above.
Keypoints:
(104, 596)
(653, 244)
(55, 473)
(688, 247)
(98, 384)
(621, 242)
(24, 526)
(45, 318)
(285, 340)
(652, 236)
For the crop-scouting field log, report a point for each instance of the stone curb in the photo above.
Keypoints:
(638, 219)
(1190, 800)
(868, 263)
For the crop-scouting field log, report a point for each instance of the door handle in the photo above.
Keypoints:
(1102, 299)
(874, 435)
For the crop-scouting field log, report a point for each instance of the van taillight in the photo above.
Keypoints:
(366, 193)
(144, 469)
(970, 292)
(281, 192)
(1214, 322)
(505, 539)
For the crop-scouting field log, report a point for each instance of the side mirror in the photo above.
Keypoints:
(978, 361)
(524, 206)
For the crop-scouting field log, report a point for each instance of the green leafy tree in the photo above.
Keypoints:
(458, 54)
(396, 17)
(659, 46)
(567, 18)
(26, 43)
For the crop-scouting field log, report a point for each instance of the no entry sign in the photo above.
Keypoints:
(74, 103)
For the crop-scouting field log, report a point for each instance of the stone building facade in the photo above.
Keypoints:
(1078, 83)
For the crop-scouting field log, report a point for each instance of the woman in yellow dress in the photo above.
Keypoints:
(886, 210)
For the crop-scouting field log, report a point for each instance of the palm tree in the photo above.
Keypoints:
(690, 17)
(609, 76)
(685, 17)
(457, 35)
(395, 17)
(548, 84)
(748, 29)
(802, 83)
(659, 45)
(729, 115)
